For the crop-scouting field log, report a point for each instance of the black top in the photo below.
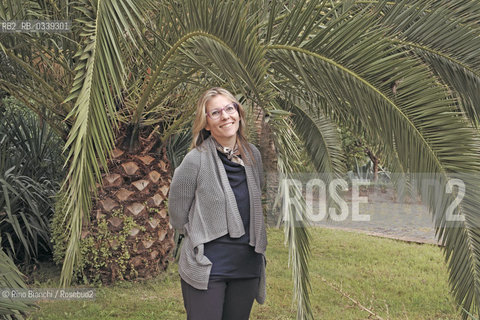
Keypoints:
(234, 257)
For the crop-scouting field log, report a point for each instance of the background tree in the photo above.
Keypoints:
(403, 74)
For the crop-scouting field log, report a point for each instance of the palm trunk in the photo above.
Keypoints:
(129, 235)
(267, 148)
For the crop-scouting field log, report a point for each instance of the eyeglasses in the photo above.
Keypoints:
(230, 108)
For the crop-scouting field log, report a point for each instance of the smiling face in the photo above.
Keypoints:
(225, 128)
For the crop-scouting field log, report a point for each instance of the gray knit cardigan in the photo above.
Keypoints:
(202, 206)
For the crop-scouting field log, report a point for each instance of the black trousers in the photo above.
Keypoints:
(228, 299)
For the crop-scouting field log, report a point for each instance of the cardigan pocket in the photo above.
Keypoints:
(195, 254)
(193, 266)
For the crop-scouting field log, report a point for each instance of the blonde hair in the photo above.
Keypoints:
(199, 132)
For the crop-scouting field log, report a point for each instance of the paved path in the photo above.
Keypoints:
(409, 222)
(389, 218)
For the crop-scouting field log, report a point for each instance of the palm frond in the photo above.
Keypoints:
(33, 73)
(178, 147)
(25, 207)
(218, 38)
(360, 69)
(443, 35)
(11, 278)
(320, 136)
(39, 65)
(290, 163)
(100, 76)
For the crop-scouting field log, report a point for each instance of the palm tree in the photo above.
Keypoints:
(65, 78)
(404, 74)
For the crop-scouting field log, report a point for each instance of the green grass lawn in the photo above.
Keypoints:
(393, 279)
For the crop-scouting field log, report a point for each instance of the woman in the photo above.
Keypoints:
(215, 201)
